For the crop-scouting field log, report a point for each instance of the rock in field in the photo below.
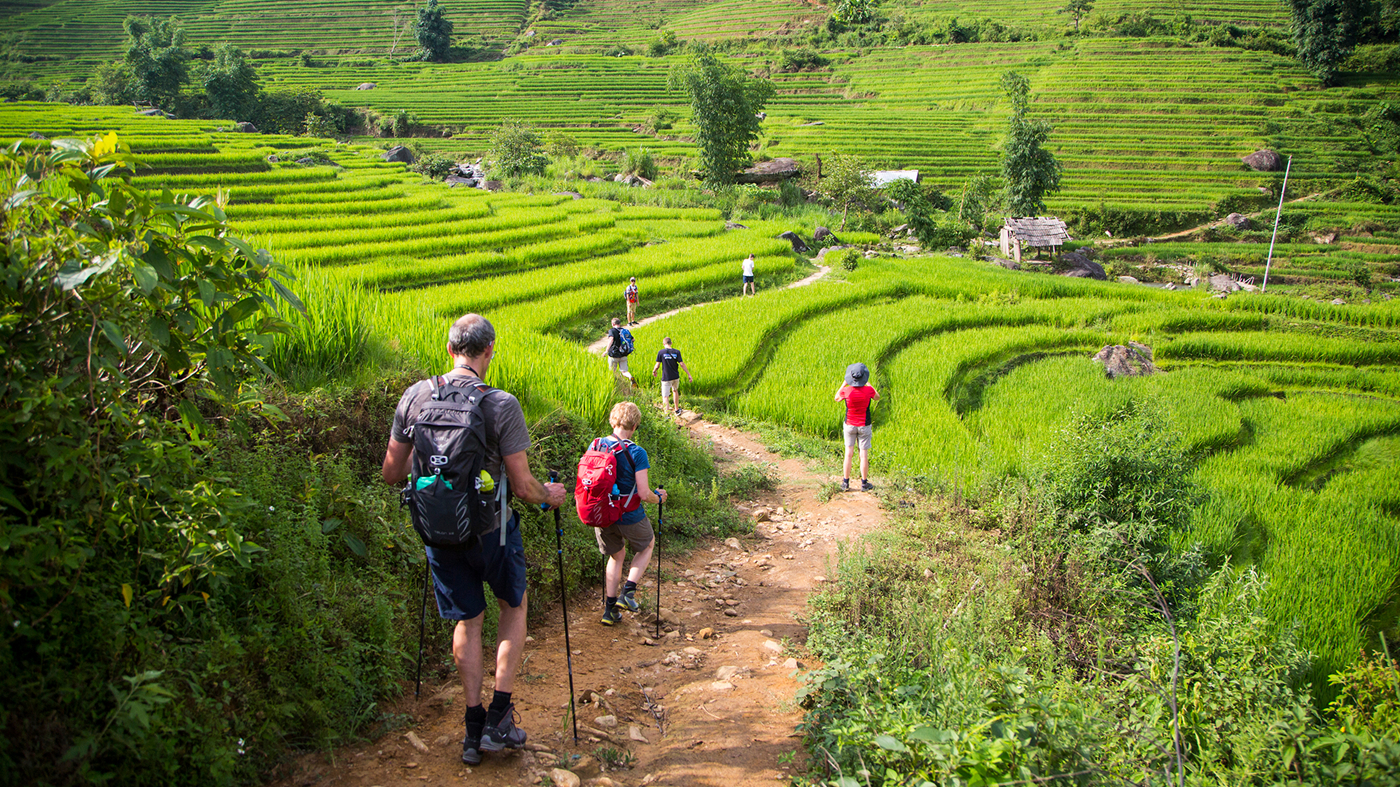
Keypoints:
(1121, 361)
(1081, 267)
(1264, 161)
(797, 243)
(366, 86)
(398, 153)
(245, 127)
(824, 232)
(563, 778)
(777, 170)
(1237, 221)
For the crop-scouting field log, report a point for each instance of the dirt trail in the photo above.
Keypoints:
(713, 708)
(1221, 222)
(601, 346)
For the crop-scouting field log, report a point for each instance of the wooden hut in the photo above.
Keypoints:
(1039, 232)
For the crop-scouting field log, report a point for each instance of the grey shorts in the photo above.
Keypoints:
(618, 364)
(857, 435)
(667, 386)
(613, 538)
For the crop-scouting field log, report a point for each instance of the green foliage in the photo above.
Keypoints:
(1368, 696)
(639, 163)
(846, 182)
(1029, 170)
(933, 231)
(433, 30)
(1077, 10)
(854, 12)
(230, 84)
(663, 44)
(515, 150)
(284, 111)
(434, 165)
(1325, 32)
(156, 57)
(794, 60)
(659, 120)
(845, 259)
(111, 83)
(559, 145)
(724, 107)
(318, 126)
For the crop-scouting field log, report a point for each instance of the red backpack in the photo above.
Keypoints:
(597, 478)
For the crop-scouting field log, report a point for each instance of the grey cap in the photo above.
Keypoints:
(857, 375)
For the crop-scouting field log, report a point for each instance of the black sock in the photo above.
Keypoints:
(476, 719)
(500, 703)
(628, 587)
(609, 603)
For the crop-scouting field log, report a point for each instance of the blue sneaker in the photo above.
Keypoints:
(611, 616)
(628, 600)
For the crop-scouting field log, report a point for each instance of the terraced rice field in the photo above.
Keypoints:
(979, 369)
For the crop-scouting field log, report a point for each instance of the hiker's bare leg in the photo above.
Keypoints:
(864, 464)
(846, 466)
(510, 643)
(612, 575)
(639, 562)
(466, 651)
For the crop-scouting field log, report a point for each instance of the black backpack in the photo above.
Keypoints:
(444, 494)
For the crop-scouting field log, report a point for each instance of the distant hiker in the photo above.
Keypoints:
(630, 295)
(857, 395)
(670, 363)
(456, 490)
(619, 347)
(749, 287)
(632, 528)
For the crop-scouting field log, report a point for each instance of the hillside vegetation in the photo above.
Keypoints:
(1190, 575)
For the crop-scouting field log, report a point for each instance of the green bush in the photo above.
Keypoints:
(639, 163)
(515, 150)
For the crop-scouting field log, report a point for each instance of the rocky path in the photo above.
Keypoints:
(708, 702)
(601, 346)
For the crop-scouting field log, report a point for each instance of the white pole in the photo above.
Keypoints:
(1281, 194)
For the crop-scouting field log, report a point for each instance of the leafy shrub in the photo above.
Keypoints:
(434, 165)
(318, 125)
(639, 163)
(560, 144)
(663, 44)
(794, 60)
(659, 120)
(515, 150)
(845, 259)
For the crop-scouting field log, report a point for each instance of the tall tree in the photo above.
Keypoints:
(156, 56)
(1077, 10)
(434, 31)
(1325, 32)
(1029, 170)
(724, 104)
(230, 83)
(847, 183)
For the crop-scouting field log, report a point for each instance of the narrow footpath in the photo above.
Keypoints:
(601, 346)
(709, 702)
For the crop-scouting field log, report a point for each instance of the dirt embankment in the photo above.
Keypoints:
(709, 702)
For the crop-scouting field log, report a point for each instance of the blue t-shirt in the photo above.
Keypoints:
(627, 478)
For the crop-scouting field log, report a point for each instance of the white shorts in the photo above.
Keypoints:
(619, 365)
(667, 386)
(857, 435)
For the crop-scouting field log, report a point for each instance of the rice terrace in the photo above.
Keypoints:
(1056, 441)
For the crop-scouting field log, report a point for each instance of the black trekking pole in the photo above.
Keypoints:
(659, 510)
(422, 624)
(564, 603)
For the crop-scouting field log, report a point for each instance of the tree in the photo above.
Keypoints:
(111, 84)
(846, 183)
(230, 84)
(156, 56)
(515, 150)
(724, 105)
(433, 31)
(1077, 10)
(1326, 31)
(1029, 170)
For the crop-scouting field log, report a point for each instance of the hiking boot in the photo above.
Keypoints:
(845, 485)
(471, 750)
(611, 616)
(866, 486)
(504, 735)
(629, 601)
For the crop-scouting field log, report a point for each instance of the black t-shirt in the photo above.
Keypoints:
(670, 360)
(615, 349)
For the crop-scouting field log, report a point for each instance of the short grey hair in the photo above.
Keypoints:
(470, 335)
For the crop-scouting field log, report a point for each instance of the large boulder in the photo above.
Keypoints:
(149, 113)
(400, 154)
(453, 181)
(1222, 282)
(1078, 266)
(775, 171)
(822, 233)
(36, 135)
(1264, 161)
(245, 127)
(797, 243)
(1237, 221)
(1133, 360)
(366, 86)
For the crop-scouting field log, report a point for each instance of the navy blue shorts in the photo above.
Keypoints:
(458, 573)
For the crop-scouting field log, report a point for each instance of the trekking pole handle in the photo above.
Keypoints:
(553, 479)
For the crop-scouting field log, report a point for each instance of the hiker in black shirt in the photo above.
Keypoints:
(617, 352)
(670, 363)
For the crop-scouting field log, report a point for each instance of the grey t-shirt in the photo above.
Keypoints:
(506, 432)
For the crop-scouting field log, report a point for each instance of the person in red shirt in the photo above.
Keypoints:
(858, 395)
